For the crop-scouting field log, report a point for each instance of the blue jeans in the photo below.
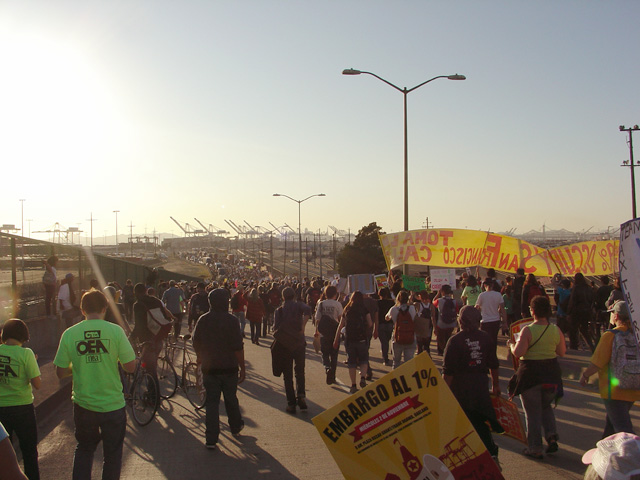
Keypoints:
(618, 417)
(399, 350)
(227, 385)
(536, 402)
(91, 427)
(21, 420)
(288, 372)
(242, 319)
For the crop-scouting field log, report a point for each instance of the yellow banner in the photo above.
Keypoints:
(407, 425)
(456, 248)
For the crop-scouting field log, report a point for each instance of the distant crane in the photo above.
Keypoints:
(205, 228)
(188, 231)
(237, 229)
(58, 231)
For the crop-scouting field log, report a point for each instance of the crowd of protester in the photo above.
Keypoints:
(466, 320)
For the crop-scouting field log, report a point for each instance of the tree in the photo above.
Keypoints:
(364, 255)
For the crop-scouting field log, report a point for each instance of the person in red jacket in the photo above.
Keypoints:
(255, 312)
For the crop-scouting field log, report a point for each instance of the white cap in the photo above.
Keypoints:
(616, 457)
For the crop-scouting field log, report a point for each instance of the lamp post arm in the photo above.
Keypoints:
(387, 82)
(424, 83)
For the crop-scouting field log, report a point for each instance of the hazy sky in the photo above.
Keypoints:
(206, 108)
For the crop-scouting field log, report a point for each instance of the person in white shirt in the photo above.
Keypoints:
(67, 299)
(491, 305)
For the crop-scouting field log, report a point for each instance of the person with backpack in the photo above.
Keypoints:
(617, 360)
(239, 307)
(385, 327)
(446, 317)
(327, 318)
(561, 297)
(404, 334)
(355, 320)
(423, 324)
(152, 342)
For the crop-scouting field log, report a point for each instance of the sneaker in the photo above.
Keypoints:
(330, 378)
(388, 363)
(533, 454)
(236, 433)
(363, 382)
(552, 444)
(302, 403)
(369, 376)
(210, 446)
(291, 409)
(353, 389)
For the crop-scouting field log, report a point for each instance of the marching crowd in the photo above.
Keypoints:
(465, 319)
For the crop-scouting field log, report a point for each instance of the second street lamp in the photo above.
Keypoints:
(405, 91)
(299, 202)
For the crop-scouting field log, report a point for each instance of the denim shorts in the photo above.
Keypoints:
(357, 353)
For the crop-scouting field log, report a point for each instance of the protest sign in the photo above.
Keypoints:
(629, 268)
(442, 276)
(514, 334)
(405, 425)
(413, 284)
(381, 281)
(363, 282)
(509, 418)
(458, 248)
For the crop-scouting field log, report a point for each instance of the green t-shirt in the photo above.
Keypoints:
(93, 348)
(18, 366)
(472, 294)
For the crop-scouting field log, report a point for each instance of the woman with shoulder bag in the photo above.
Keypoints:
(539, 379)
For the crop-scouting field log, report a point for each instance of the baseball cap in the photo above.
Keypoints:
(621, 308)
(69, 275)
(616, 457)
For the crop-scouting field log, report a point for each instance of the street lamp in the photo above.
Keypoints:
(299, 202)
(405, 91)
(116, 212)
(631, 165)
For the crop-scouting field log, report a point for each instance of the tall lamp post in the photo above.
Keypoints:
(299, 202)
(405, 91)
(116, 212)
(631, 165)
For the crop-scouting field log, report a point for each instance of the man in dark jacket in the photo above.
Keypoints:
(292, 318)
(198, 305)
(218, 343)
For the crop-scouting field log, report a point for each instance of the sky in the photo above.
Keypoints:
(204, 109)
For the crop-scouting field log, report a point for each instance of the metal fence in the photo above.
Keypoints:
(21, 271)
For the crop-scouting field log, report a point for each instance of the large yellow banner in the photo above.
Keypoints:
(457, 248)
(407, 425)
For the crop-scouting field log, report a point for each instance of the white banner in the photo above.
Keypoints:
(629, 261)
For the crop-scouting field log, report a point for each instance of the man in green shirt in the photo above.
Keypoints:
(90, 351)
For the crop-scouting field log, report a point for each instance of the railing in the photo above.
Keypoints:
(21, 270)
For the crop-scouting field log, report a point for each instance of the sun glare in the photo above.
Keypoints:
(54, 103)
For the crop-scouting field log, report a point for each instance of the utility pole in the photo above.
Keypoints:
(320, 251)
(631, 165)
(91, 220)
(131, 225)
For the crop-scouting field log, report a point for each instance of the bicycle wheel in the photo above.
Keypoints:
(144, 398)
(193, 387)
(167, 378)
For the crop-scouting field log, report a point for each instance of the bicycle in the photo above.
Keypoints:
(140, 390)
(191, 379)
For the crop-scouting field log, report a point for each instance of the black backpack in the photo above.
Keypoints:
(327, 326)
(449, 314)
(356, 326)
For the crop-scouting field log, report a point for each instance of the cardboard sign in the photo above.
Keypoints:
(363, 282)
(514, 334)
(381, 281)
(443, 276)
(629, 268)
(406, 425)
(509, 417)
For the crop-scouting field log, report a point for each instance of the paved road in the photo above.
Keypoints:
(277, 445)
